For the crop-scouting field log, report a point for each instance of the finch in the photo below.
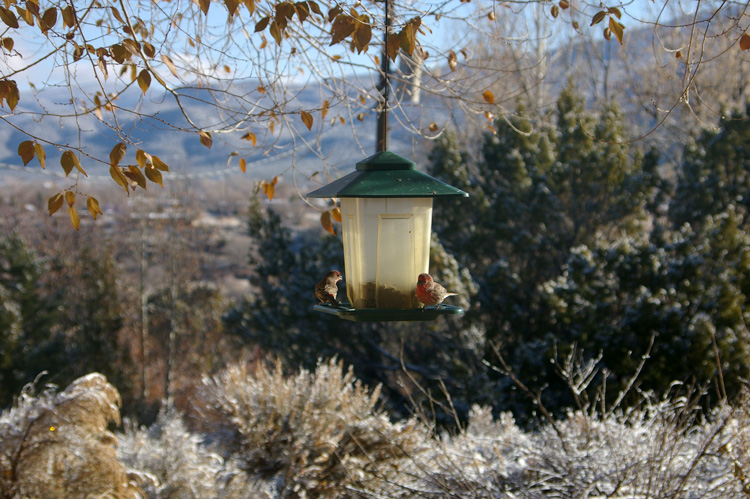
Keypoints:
(429, 292)
(327, 289)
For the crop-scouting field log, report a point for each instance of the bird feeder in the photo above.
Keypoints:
(386, 215)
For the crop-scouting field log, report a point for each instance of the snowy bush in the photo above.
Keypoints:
(317, 434)
(172, 462)
(57, 444)
(660, 449)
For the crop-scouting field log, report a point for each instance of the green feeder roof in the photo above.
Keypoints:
(386, 175)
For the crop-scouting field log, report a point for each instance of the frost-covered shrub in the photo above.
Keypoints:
(58, 445)
(479, 461)
(172, 462)
(738, 448)
(317, 434)
(660, 449)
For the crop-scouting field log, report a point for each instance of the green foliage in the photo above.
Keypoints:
(450, 222)
(612, 297)
(59, 315)
(538, 191)
(29, 339)
(566, 243)
(92, 315)
(715, 174)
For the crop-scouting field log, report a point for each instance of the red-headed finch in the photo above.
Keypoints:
(429, 292)
(327, 289)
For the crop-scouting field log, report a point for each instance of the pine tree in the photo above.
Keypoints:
(715, 173)
(30, 341)
(686, 289)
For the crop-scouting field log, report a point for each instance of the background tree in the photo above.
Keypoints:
(686, 289)
(536, 197)
(714, 174)
(30, 341)
(90, 317)
(61, 316)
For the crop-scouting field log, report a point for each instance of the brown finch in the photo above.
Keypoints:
(429, 292)
(327, 289)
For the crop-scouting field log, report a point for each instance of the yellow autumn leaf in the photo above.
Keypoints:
(119, 177)
(170, 64)
(325, 221)
(452, 60)
(93, 205)
(26, 151)
(206, 139)
(40, 154)
(243, 165)
(489, 97)
(616, 28)
(154, 175)
(136, 175)
(117, 153)
(598, 17)
(307, 119)
(268, 189)
(251, 137)
(55, 203)
(74, 218)
(159, 164)
(68, 161)
(142, 157)
(336, 214)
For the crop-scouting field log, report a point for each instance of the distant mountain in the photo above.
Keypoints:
(340, 145)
